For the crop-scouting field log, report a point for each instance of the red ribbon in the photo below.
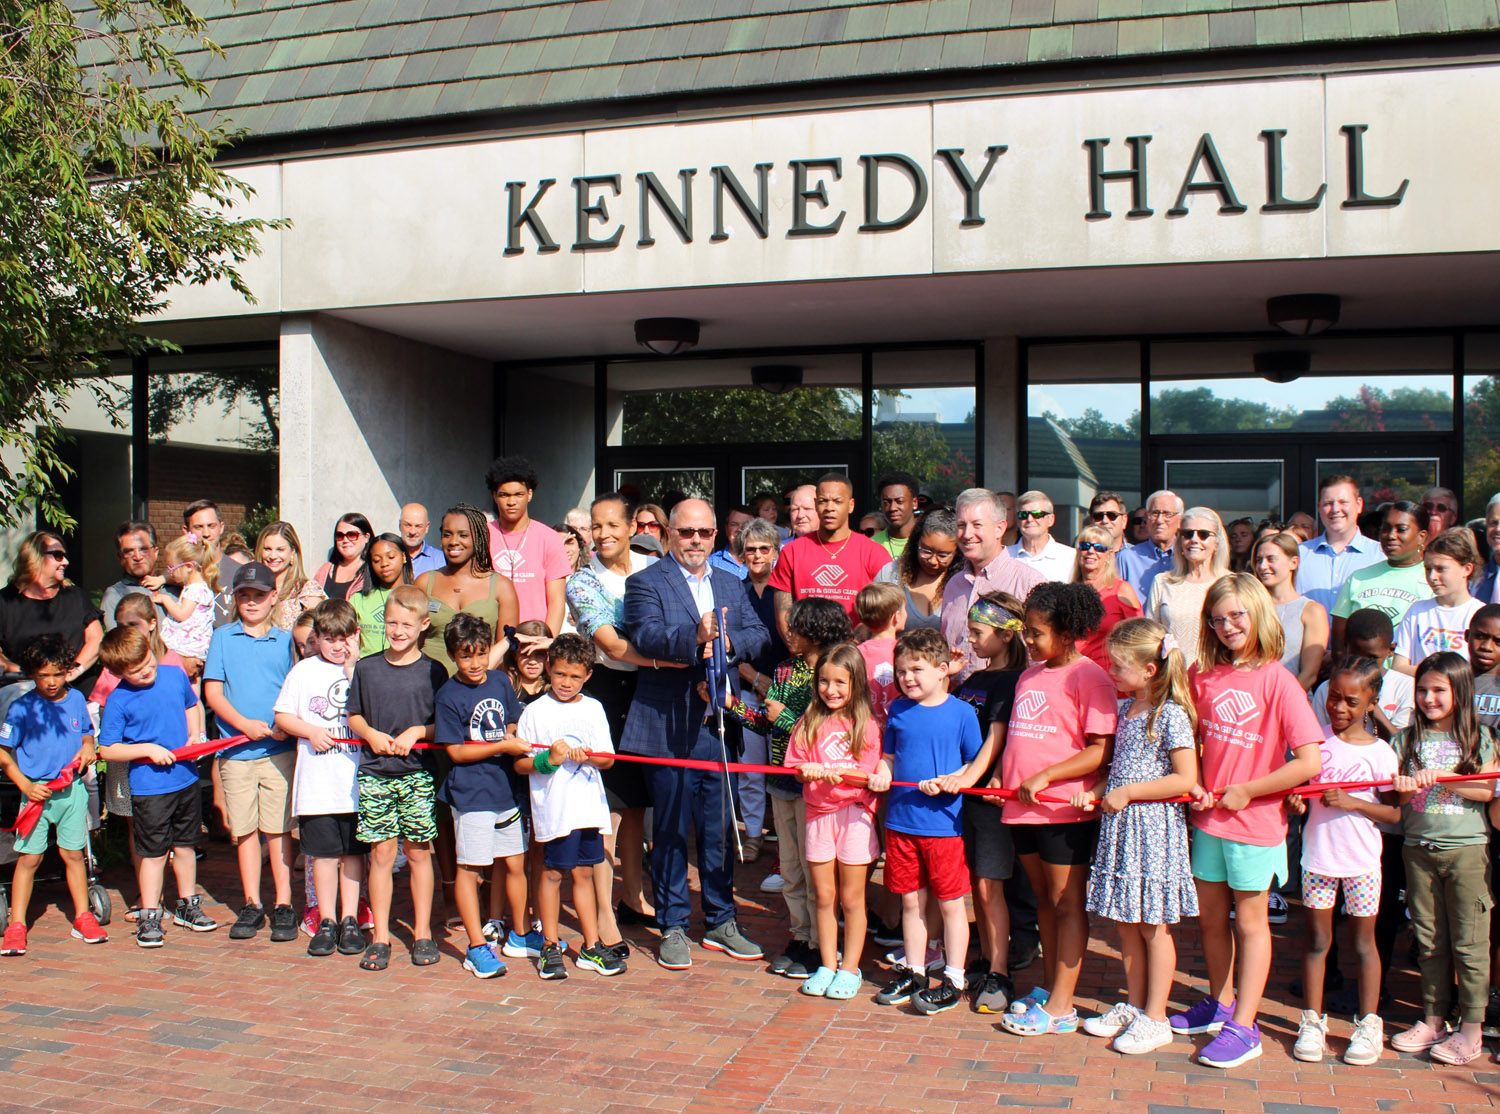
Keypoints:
(31, 811)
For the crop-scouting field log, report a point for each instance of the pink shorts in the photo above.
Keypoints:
(847, 834)
(1361, 893)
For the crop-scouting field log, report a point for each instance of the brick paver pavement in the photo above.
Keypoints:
(208, 1025)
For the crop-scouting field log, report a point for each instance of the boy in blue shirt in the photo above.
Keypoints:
(477, 712)
(248, 661)
(933, 740)
(153, 712)
(47, 740)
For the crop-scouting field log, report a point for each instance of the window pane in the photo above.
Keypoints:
(716, 402)
(1234, 488)
(215, 434)
(924, 419)
(655, 485)
(1338, 404)
(1384, 481)
(1083, 438)
(97, 418)
(774, 480)
(1481, 439)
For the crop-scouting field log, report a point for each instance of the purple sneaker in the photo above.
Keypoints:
(1232, 1047)
(1208, 1016)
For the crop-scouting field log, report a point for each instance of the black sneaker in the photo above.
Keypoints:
(936, 999)
(351, 939)
(887, 936)
(283, 924)
(551, 965)
(326, 940)
(1491, 1026)
(804, 960)
(601, 960)
(1023, 953)
(994, 993)
(148, 933)
(622, 949)
(251, 920)
(784, 960)
(190, 914)
(904, 985)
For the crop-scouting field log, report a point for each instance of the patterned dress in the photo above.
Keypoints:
(1141, 872)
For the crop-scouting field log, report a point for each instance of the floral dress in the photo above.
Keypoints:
(1141, 872)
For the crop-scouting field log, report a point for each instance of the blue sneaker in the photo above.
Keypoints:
(483, 963)
(1208, 1016)
(523, 947)
(1234, 1045)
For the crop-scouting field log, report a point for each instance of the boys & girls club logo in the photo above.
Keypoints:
(829, 576)
(1030, 705)
(1235, 706)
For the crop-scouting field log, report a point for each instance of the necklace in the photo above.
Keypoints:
(509, 549)
(833, 554)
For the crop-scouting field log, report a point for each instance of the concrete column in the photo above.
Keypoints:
(1004, 414)
(550, 421)
(370, 421)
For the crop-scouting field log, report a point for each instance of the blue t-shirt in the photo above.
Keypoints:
(46, 735)
(927, 742)
(252, 671)
(479, 714)
(156, 714)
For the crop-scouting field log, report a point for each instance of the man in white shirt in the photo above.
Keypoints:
(1037, 548)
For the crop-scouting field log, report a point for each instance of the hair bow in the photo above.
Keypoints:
(1168, 644)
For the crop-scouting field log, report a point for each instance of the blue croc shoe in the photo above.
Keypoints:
(818, 983)
(845, 985)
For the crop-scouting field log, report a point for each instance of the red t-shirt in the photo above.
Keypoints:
(1248, 721)
(1053, 710)
(831, 748)
(880, 671)
(837, 571)
(531, 558)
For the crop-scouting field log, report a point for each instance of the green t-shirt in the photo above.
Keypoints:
(1385, 588)
(370, 607)
(894, 546)
(1438, 815)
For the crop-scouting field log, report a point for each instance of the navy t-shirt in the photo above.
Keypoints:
(393, 699)
(479, 714)
(156, 714)
(46, 735)
(926, 742)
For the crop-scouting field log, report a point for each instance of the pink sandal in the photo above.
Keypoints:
(1457, 1051)
(1419, 1038)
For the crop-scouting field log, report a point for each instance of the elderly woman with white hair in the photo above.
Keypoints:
(1200, 557)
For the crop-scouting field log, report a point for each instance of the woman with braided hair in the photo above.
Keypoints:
(468, 582)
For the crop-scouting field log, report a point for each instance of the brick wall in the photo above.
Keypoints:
(235, 481)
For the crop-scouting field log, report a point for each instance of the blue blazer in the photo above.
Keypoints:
(661, 621)
(1484, 584)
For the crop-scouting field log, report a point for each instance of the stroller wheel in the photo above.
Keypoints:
(99, 903)
(4, 908)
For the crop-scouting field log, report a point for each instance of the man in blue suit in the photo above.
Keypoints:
(673, 610)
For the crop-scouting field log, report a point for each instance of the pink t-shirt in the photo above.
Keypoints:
(531, 558)
(1248, 721)
(880, 671)
(1054, 709)
(831, 748)
(108, 682)
(1338, 843)
(837, 571)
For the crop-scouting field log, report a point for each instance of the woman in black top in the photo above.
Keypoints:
(40, 599)
(341, 575)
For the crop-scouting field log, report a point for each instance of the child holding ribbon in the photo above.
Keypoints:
(1141, 877)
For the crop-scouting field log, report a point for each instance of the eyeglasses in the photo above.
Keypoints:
(1101, 516)
(347, 535)
(935, 554)
(1219, 622)
(1024, 515)
(759, 549)
(184, 565)
(55, 554)
(688, 533)
(1134, 522)
(868, 531)
(1092, 547)
(138, 551)
(1201, 535)
(1163, 514)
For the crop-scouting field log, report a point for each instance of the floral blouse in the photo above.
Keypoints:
(792, 685)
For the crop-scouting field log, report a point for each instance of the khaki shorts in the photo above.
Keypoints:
(258, 793)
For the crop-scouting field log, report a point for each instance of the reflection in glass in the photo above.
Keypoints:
(924, 419)
(1384, 481)
(1337, 404)
(1234, 488)
(1481, 442)
(666, 485)
(1083, 438)
(774, 480)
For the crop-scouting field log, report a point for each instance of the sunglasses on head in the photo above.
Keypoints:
(1093, 547)
(1101, 516)
(1201, 535)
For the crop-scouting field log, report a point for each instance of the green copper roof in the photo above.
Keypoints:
(295, 66)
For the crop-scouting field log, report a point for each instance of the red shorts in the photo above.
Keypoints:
(914, 862)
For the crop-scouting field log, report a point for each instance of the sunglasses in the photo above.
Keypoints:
(1134, 522)
(648, 524)
(55, 554)
(1093, 547)
(868, 531)
(688, 533)
(1024, 515)
(759, 549)
(347, 535)
(1101, 516)
(1201, 535)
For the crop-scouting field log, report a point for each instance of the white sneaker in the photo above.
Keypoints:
(1312, 1038)
(773, 884)
(1143, 1035)
(1365, 1044)
(1113, 1023)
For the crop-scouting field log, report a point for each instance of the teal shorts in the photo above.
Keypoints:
(1244, 866)
(67, 810)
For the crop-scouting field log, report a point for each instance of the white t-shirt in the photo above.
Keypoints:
(326, 784)
(1429, 628)
(1055, 562)
(1397, 692)
(1339, 843)
(573, 797)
